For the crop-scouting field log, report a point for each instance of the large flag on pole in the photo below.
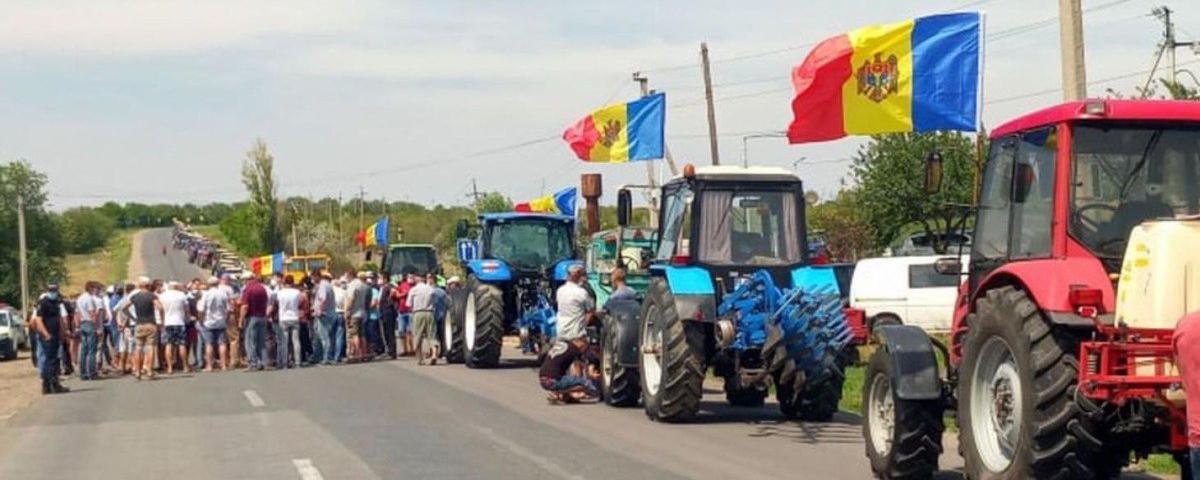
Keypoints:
(918, 75)
(377, 233)
(562, 201)
(621, 133)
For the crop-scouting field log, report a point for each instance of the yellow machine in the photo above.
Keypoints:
(301, 266)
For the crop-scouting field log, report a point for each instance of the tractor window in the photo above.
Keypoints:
(676, 224)
(418, 260)
(749, 228)
(1033, 194)
(991, 226)
(531, 244)
(1126, 174)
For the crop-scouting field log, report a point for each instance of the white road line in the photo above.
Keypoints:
(255, 400)
(542, 462)
(307, 470)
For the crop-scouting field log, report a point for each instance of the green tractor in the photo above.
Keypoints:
(630, 248)
(411, 257)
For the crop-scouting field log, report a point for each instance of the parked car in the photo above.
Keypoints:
(921, 244)
(904, 291)
(12, 333)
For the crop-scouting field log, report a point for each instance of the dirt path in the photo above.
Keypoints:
(137, 265)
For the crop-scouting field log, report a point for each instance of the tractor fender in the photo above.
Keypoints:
(623, 317)
(912, 354)
(490, 270)
(692, 288)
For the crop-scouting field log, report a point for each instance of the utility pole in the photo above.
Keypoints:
(362, 196)
(1074, 75)
(21, 246)
(474, 195)
(1169, 43)
(708, 97)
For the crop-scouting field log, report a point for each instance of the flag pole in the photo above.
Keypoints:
(980, 132)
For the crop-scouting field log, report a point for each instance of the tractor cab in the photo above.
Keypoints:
(508, 246)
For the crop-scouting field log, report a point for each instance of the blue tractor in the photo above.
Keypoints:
(731, 289)
(514, 263)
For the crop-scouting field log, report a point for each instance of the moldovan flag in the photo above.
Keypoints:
(377, 233)
(914, 76)
(267, 264)
(622, 132)
(562, 202)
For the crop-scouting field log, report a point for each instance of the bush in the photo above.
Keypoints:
(86, 229)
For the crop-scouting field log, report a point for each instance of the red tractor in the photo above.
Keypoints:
(1056, 367)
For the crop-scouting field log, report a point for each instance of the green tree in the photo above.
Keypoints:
(43, 237)
(244, 228)
(86, 229)
(889, 171)
(844, 226)
(258, 175)
(494, 202)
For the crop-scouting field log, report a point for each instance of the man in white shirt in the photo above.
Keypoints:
(289, 303)
(90, 309)
(575, 305)
(216, 305)
(420, 301)
(175, 318)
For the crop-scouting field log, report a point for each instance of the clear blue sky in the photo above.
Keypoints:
(159, 100)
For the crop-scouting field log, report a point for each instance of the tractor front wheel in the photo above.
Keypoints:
(1015, 397)
(904, 437)
(483, 325)
(671, 358)
(452, 329)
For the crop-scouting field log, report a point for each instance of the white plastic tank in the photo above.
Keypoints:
(1160, 275)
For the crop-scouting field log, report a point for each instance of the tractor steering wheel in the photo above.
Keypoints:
(1087, 222)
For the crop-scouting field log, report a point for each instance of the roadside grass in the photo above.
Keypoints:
(107, 265)
(1161, 464)
(212, 232)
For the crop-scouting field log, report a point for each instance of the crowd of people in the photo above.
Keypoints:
(157, 327)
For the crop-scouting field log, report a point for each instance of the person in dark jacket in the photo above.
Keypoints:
(50, 324)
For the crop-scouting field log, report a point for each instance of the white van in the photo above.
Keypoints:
(904, 290)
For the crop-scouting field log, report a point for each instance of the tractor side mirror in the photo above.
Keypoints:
(1024, 182)
(948, 266)
(933, 172)
(624, 207)
(461, 229)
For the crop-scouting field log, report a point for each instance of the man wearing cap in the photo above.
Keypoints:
(48, 323)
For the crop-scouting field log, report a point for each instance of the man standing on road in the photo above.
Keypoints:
(420, 303)
(175, 318)
(47, 322)
(216, 305)
(404, 317)
(146, 308)
(358, 294)
(254, 315)
(575, 306)
(327, 323)
(387, 315)
(288, 338)
(91, 314)
(236, 325)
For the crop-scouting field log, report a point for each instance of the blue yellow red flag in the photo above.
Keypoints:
(377, 233)
(918, 75)
(561, 202)
(622, 132)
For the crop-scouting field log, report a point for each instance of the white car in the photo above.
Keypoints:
(905, 291)
(12, 333)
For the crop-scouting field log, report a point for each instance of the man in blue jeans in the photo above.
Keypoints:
(328, 321)
(91, 312)
(48, 325)
(254, 312)
(570, 372)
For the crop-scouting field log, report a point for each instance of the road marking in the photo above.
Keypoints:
(255, 400)
(542, 462)
(307, 470)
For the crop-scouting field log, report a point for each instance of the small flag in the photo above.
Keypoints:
(918, 75)
(377, 233)
(622, 132)
(562, 202)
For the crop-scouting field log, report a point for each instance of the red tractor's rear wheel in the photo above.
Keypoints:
(1016, 407)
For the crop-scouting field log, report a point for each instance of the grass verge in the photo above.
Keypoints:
(107, 265)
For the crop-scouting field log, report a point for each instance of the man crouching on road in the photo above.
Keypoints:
(569, 371)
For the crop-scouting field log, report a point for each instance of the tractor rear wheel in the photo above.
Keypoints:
(671, 358)
(904, 437)
(452, 330)
(483, 325)
(621, 384)
(1015, 397)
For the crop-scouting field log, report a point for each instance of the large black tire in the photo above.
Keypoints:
(675, 395)
(743, 397)
(620, 384)
(910, 450)
(488, 300)
(1052, 440)
(452, 330)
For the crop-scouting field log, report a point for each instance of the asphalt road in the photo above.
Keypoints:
(396, 420)
(173, 265)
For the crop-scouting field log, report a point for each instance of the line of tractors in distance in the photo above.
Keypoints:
(1058, 363)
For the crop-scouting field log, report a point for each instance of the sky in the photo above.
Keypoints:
(158, 101)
